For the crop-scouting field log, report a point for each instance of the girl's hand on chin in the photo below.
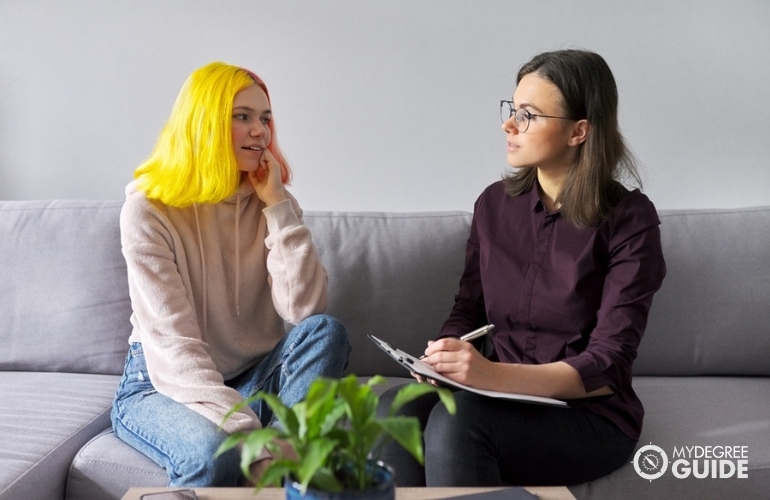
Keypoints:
(267, 179)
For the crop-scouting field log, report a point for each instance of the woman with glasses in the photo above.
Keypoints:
(219, 261)
(564, 261)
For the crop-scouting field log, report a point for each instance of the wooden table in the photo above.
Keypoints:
(543, 492)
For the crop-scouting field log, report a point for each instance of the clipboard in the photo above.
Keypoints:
(419, 367)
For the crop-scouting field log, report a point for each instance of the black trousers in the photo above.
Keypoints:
(497, 442)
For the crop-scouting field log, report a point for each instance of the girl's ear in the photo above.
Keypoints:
(580, 131)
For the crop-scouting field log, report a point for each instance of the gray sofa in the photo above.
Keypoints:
(702, 370)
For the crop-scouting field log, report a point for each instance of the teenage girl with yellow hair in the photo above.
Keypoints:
(219, 261)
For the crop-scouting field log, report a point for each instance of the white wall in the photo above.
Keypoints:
(383, 105)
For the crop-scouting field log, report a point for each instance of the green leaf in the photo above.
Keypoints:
(366, 439)
(361, 400)
(284, 415)
(231, 442)
(325, 480)
(254, 444)
(320, 401)
(300, 414)
(406, 431)
(314, 458)
(448, 398)
(376, 380)
(332, 418)
(276, 471)
(321, 394)
(238, 406)
(412, 391)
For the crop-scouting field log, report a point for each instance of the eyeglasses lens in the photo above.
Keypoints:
(521, 118)
(506, 111)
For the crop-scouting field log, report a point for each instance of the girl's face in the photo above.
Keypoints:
(548, 142)
(251, 134)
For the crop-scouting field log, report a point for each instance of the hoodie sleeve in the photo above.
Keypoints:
(297, 277)
(177, 360)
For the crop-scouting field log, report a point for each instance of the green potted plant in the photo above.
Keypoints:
(335, 435)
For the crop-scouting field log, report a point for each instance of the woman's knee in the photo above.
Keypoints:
(448, 431)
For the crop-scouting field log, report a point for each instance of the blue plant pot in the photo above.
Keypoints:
(385, 489)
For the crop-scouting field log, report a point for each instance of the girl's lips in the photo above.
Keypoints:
(512, 147)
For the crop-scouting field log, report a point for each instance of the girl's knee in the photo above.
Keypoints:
(327, 330)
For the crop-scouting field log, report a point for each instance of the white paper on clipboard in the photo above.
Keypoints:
(417, 366)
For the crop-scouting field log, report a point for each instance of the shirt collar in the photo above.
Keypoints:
(537, 204)
(534, 199)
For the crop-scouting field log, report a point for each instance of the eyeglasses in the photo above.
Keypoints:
(521, 117)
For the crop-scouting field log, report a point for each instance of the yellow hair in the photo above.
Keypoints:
(193, 160)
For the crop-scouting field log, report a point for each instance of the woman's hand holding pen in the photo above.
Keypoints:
(458, 360)
(267, 180)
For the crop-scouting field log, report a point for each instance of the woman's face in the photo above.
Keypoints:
(251, 134)
(546, 144)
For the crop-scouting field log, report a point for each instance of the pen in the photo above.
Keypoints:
(479, 332)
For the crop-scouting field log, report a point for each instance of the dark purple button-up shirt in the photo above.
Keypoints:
(558, 293)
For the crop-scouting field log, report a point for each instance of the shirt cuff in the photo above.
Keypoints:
(280, 216)
(593, 378)
(262, 456)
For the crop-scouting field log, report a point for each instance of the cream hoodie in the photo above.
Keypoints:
(211, 286)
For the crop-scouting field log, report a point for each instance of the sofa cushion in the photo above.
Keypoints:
(712, 315)
(63, 287)
(106, 467)
(390, 275)
(696, 411)
(44, 420)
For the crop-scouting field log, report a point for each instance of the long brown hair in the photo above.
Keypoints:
(589, 93)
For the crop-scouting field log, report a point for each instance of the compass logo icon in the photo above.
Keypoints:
(650, 462)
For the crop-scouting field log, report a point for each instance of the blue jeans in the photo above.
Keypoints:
(183, 441)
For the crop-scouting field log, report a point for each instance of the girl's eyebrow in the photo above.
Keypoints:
(252, 110)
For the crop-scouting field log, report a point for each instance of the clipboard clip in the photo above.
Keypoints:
(381, 342)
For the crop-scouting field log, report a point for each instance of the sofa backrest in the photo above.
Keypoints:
(712, 314)
(391, 275)
(64, 302)
(395, 276)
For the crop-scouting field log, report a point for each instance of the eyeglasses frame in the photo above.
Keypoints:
(529, 115)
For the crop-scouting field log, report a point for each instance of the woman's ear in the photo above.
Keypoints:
(580, 131)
